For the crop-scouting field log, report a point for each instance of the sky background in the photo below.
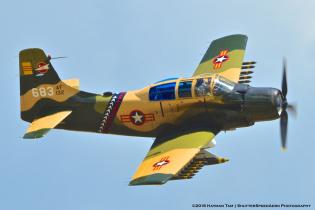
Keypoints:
(124, 45)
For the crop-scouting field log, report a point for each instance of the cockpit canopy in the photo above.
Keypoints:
(185, 88)
(162, 92)
(222, 85)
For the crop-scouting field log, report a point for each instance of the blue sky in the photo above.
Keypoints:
(125, 45)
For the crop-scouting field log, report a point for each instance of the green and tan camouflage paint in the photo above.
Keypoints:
(43, 94)
(235, 45)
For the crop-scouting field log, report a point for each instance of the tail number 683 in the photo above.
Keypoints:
(42, 92)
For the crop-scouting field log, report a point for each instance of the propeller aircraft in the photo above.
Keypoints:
(182, 114)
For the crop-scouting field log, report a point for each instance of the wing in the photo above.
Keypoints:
(172, 158)
(224, 57)
(39, 127)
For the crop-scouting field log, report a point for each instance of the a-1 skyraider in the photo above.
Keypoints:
(183, 115)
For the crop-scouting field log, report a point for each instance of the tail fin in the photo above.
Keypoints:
(35, 69)
(41, 89)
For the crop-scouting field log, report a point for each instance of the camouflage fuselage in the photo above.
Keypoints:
(132, 113)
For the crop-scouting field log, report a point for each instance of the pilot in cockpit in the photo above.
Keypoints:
(203, 87)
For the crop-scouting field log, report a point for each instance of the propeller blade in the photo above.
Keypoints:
(292, 109)
(284, 79)
(284, 128)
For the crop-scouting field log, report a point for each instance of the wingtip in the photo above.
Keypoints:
(36, 134)
(30, 136)
(154, 179)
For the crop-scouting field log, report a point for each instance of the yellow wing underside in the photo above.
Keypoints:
(165, 160)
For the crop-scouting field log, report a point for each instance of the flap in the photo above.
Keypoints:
(39, 127)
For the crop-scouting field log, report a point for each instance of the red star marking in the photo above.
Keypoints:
(158, 165)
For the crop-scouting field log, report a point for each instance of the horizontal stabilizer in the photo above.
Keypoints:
(74, 83)
(39, 127)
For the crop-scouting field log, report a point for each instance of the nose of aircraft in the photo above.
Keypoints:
(277, 99)
(263, 103)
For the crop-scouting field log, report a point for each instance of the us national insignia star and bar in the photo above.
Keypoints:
(137, 117)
